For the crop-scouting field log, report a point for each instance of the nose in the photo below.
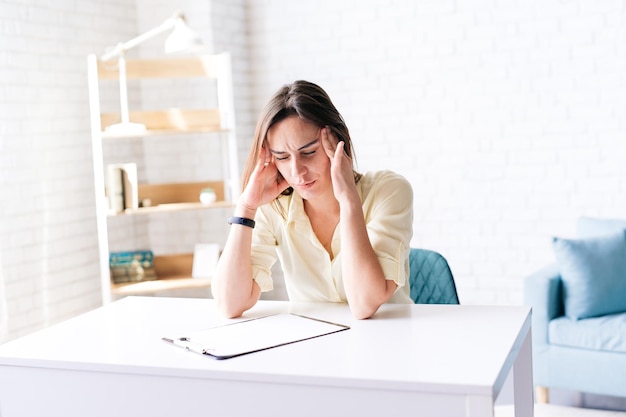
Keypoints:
(298, 167)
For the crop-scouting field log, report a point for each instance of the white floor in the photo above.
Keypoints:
(566, 403)
(553, 410)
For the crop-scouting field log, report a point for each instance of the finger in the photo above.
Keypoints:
(327, 142)
(261, 158)
(269, 158)
(339, 151)
(264, 157)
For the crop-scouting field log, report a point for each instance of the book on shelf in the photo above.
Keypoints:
(145, 257)
(129, 185)
(115, 190)
(132, 266)
(122, 188)
(132, 273)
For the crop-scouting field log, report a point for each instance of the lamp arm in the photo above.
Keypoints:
(122, 47)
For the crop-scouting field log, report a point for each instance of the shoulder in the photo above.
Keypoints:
(385, 183)
(387, 199)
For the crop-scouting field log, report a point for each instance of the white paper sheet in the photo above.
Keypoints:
(253, 335)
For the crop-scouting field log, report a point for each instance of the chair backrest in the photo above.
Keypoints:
(430, 278)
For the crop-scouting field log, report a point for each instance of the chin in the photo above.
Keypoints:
(306, 193)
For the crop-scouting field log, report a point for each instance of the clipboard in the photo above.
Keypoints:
(254, 335)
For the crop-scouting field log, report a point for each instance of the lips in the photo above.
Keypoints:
(304, 185)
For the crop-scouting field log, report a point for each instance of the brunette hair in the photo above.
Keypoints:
(309, 102)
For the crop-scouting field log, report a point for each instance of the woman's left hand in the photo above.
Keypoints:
(341, 170)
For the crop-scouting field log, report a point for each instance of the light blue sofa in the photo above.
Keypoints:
(579, 354)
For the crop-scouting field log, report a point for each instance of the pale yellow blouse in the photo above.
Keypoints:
(310, 274)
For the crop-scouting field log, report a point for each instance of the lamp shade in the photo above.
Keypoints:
(182, 39)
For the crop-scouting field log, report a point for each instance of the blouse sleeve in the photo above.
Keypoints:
(388, 210)
(263, 254)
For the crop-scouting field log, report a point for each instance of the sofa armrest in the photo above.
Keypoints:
(543, 292)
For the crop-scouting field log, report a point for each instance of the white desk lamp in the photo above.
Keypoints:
(181, 39)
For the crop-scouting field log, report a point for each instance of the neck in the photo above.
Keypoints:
(326, 205)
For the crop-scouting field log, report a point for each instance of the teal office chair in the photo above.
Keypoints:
(430, 278)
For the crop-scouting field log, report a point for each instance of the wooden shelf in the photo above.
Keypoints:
(165, 121)
(173, 273)
(161, 132)
(172, 197)
(159, 285)
(136, 69)
(165, 208)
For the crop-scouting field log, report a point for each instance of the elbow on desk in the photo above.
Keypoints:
(229, 309)
(229, 312)
(363, 308)
(226, 309)
(362, 313)
(361, 316)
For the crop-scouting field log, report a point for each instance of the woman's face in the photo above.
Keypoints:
(296, 147)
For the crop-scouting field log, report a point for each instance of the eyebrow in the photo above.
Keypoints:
(313, 142)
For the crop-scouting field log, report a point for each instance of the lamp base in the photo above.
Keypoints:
(126, 128)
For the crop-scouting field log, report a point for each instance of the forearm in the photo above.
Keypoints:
(232, 286)
(364, 281)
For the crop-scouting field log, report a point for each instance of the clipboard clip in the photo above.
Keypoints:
(187, 344)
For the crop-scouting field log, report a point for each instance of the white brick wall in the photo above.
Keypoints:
(505, 116)
(47, 222)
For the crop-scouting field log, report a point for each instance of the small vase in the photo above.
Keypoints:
(207, 196)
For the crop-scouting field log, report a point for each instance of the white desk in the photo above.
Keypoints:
(425, 360)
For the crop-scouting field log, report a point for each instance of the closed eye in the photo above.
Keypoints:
(276, 153)
(282, 158)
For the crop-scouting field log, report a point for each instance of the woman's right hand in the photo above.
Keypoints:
(265, 183)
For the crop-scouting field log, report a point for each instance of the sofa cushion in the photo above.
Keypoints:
(599, 333)
(593, 271)
(592, 226)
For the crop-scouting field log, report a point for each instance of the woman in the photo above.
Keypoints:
(340, 236)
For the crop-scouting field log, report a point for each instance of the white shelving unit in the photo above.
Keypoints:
(173, 270)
